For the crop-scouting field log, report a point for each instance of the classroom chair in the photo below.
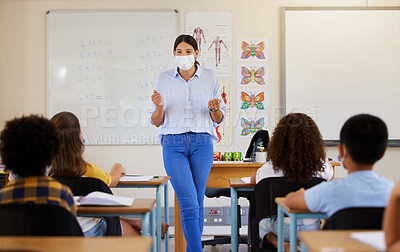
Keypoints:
(84, 186)
(3, 180)
(262, 205)
(356, 218)
(260, 136)
(37, 220)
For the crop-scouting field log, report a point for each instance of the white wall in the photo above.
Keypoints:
(23, 72)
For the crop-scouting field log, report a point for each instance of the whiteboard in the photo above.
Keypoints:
(342, 62)
(102, 66)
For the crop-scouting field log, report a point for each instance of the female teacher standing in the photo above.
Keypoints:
(188, 108)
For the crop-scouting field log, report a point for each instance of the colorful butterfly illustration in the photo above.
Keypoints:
(253, 50)
(252, 100)
(251, 126)
(252, 75)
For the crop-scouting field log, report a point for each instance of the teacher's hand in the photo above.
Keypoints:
(214, 104)
(157, 99)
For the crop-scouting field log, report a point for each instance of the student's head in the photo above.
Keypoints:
(364, 138)
(296, 147)
(69, 161)
(27, 145)
(185, 45)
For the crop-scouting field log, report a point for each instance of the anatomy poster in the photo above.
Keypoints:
(252, 74)
(253, 99)
(253, 49)
(213, 33)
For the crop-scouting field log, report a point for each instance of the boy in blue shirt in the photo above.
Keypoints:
(363, 141)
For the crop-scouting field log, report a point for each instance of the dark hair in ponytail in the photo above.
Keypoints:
(188, 39)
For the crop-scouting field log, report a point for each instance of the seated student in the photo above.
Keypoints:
(27, 146)
(70, 163)
(296, 151)
(363, 141)
(391, 221)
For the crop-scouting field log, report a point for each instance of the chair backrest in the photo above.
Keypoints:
(84, 186)
(356, 218)
(37, 220)
(260, 136)
(3, 179)
(262, 204)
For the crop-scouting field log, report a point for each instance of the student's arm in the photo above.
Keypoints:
(296, 200)
(391, 219)
(253, 178)
(117, 171)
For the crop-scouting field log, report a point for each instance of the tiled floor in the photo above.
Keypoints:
(217, 248)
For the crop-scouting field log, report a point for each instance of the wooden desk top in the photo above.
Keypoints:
(154, 181)
(68, 244)
(138, 206)
(224, 164)
(281, 201)
(237, 182)
(238, 164)
(315, 241)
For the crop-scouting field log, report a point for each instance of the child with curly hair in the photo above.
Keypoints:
(296, 151)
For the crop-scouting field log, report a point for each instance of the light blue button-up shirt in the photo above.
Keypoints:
(358, 189)
(186, 103)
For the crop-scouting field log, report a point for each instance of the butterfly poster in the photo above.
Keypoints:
(252, 49)
(248, 126)
(256, 75)
(253, 99)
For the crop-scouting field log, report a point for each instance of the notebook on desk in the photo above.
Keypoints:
(375, 239)
(246, 180)
(135, 178)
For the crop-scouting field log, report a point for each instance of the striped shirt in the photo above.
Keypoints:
(38, 190)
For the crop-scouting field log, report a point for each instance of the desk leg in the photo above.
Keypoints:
(166, 212)
(158, 216)
(180, 242)
(234, 229)
(280, 229)
(293, 232)
(152, 230)
(303, 247)
(145, 224)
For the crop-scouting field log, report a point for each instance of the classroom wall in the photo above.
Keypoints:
(23, 67)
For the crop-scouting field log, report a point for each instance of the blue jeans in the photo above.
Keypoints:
(99, 229)
(188, 159)
(271, 225)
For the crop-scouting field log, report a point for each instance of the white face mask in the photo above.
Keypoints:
(184, 62)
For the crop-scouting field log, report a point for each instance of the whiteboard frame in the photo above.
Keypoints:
(96, 11)
(391, 142)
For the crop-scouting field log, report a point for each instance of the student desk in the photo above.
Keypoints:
(236, 185)
(158, 182)
(140, 207)
(294, 215)
(220, 174)
(315, 241)
(68, 244)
